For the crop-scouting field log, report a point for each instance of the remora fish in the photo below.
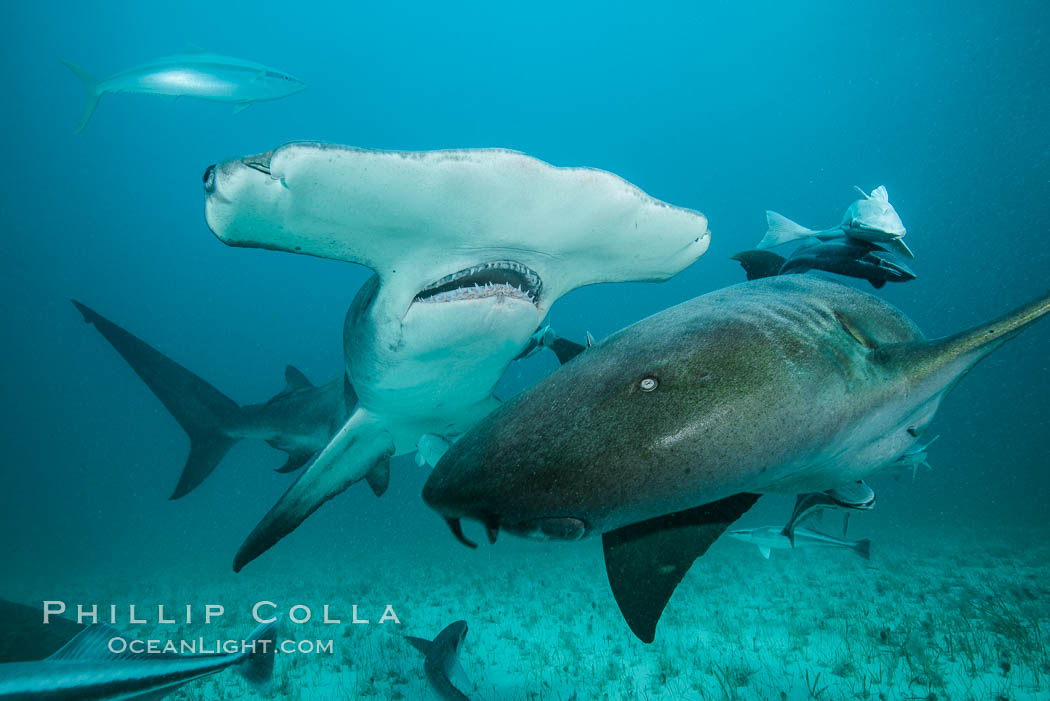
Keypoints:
(663, 434)
(769, 538)
(870, 219)
(470, 249)
(856, 496)
(86, 670)
(441, 661)
(203, 75)
(299, 420)
(849, 257)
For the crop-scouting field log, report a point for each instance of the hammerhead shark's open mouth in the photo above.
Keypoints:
(499, 278)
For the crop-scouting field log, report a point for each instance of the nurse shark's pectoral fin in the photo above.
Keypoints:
(361, 449)
(646, 561)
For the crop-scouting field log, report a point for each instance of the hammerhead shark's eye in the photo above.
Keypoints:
(648, 384)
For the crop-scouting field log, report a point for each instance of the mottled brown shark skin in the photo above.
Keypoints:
(787, 384)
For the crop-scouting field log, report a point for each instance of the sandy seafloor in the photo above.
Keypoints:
(949, 614)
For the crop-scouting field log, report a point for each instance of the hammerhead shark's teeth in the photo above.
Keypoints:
(479, 292)
(499, 278)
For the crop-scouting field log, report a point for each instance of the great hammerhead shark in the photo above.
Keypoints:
(470, 249)
(299, 420)
(662, 435)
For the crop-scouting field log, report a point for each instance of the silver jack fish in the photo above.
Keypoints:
(203, 75)
(86, 669)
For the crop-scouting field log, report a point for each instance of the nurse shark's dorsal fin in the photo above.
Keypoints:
(646, 561)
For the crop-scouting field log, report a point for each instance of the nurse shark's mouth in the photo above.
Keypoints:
(501, 278)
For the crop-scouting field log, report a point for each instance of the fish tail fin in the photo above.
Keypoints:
(781, 230)
(863, 548)
(257, 665)
(361, 449)
(206, 415)
(90, 88)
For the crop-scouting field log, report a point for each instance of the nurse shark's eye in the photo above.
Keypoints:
(648, 384)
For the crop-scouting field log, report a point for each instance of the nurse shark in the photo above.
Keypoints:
(663, 434)
(470, 248)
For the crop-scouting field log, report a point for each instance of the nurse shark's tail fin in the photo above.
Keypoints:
(91, 89)
(207, 415)
(782, 230)
(360, 450)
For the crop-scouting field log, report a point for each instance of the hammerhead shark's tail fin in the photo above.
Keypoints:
(782, 230)
(206, 414)
(361, 449)
(91, 88)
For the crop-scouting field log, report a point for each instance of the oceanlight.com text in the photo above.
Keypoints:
(200, 646)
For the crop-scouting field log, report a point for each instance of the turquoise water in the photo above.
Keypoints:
(727, 109)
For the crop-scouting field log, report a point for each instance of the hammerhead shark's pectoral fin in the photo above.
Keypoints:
(646, 561)
(360, 449)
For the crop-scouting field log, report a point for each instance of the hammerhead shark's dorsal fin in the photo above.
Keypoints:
(880, 194)
(295, 379)
(92, 645)
(646, 561)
